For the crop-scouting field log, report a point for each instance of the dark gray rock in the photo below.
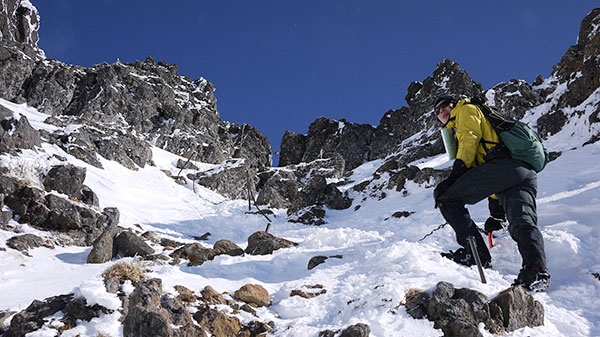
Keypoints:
(129, 244)
(67, 179)
(279, 190)
(35, 315)
(315, 261)
(312, 215)
(457, 312)
(196, 253)
(20, 23)
(514, 98)
(17, 133)
(356, 330)
(581, 59)
(8, 184)
(251, 145)
(65, 215)
(310, 194)
(230, 179)
(104, 249)
(227, 247)
(293, 146)
(327, 138)
(32, 318)
(27, 241)
(88, 196)
(333, 198)
(263, 243)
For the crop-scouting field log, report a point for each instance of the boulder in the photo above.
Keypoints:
(103, 248)
(227, 247)
(196, 253)
(27, 241)
(67, 179)
(356, 330)
(263, 243)
(17, 133)
(253, 294)
(457, 312)
(129, 244)
(516, 309)
(211, 296)
(145, 316)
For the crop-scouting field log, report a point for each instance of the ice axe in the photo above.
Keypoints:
(473, 246)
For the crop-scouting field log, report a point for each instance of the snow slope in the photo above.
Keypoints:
(382, 255)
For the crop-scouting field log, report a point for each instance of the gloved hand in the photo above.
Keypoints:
(493, 224)
(458, 169)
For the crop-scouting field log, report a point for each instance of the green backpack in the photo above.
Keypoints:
(520, 140)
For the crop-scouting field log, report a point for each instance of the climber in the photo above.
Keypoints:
(476, 176)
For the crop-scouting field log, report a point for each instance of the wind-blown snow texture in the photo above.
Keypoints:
(382, 255)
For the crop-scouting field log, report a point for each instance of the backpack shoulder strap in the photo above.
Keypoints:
(498, 121)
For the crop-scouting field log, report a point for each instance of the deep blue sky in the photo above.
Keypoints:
(279, 64)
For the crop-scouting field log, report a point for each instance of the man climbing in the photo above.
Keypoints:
(474, 177)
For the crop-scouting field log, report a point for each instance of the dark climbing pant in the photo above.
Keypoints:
(515, 184)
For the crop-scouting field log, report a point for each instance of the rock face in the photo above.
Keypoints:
(22, 22)
(82, 224)
(16, 133)
(114, 110)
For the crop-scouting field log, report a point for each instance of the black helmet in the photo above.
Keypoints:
(445, 98)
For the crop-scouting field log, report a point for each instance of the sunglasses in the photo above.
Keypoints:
(442, 105)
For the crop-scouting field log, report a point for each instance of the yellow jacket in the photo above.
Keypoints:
(471, 127)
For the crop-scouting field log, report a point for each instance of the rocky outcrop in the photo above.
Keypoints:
(458, 312)
(39, 313)
(148, 313)
(302, 185)
(81, 223)
(114, 110)
(16, 132)
(357, 143)
(234, 179)
(21, 23)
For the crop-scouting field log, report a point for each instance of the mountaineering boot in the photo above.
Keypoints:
(463, 256)
(533, 279)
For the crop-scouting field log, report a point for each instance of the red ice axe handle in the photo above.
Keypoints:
(490, 239)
